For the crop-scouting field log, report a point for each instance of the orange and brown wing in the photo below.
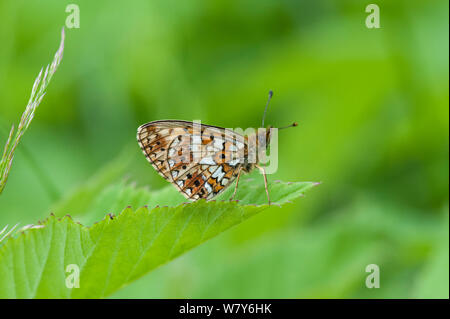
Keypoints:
(200, 161)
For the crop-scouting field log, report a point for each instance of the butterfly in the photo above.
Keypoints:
(201, 161)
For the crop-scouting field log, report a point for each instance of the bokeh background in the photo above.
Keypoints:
(373, 108)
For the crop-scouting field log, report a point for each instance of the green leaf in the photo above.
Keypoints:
(118, 250)
(325, 259)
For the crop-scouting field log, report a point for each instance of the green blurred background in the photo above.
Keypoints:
(373, 108)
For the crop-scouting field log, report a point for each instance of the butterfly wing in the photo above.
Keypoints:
(201, 161)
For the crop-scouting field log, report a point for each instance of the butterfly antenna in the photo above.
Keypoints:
(267, 104)
(292, 125)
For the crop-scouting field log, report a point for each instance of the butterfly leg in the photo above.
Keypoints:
(263, 171)
(237, 182)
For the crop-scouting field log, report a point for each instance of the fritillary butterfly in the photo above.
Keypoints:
(201, 161)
